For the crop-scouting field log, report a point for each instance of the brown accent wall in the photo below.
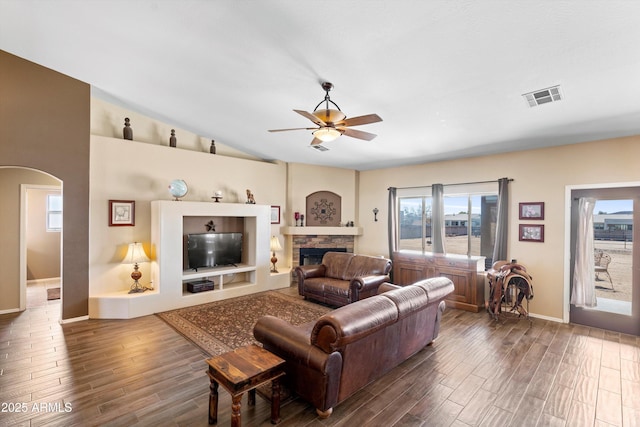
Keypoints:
(44, 125)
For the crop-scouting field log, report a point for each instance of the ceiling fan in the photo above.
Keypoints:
(333, 123)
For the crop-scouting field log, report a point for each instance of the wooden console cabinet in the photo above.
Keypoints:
(466, 273)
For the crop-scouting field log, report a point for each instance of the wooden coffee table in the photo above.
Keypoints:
(243, 370)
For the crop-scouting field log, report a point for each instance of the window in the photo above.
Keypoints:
(54, 212)
(414, 223)
(469, 219)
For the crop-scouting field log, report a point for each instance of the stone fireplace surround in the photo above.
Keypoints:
(345, 242)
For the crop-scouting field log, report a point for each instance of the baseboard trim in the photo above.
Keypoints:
(74, 319)
(46, 280)
(11, 310)
(552, 319)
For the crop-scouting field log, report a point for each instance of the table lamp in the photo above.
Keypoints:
(135, 255)
(274, 246)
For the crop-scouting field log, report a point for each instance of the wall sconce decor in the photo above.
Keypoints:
(375, 214)
(135, 255)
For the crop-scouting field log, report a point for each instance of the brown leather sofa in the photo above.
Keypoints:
(342, 278)
(330, 359)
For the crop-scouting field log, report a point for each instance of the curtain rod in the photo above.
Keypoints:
(448, 185)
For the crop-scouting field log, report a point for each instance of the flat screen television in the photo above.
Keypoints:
(206, 250)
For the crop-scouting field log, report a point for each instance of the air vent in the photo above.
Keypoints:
(319, 147)
(543, 96)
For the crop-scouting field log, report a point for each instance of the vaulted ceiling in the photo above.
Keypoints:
(447, 77)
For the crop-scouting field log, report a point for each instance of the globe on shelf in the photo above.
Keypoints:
(178, 188)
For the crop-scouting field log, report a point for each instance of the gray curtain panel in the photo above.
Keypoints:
(437, 218)
(502, 222)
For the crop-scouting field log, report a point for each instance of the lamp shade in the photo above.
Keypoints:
(135, 254)
(326, 134)
(275, 244)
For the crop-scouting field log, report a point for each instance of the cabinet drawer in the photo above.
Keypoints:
(456, 262)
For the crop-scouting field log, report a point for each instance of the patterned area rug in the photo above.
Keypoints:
(222, 326)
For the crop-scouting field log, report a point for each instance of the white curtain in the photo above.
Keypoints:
(583, 292)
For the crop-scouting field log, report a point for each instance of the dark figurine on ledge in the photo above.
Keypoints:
(172, 139)
(212, 149)
(127, 132)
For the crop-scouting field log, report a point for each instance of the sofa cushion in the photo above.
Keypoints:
(336, 264)
(325, 285)
(365, 265)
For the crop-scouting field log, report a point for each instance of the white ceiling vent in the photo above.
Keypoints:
(319, 147)
(543, 96)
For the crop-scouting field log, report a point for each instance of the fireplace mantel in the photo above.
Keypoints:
(321, 231)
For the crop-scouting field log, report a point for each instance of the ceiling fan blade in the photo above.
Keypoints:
(311, 117)
(360, 120)
(285, 130)
(316, 141)
(354, 133)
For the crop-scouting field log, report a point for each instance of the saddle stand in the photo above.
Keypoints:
(509, 285)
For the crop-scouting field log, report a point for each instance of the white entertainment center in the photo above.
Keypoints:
(167, 268)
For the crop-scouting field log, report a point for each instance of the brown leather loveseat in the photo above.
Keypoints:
(330, 359)
(343, 278)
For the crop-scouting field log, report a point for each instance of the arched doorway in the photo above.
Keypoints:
(15, 183)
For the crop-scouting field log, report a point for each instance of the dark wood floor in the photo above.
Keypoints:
(479, 372)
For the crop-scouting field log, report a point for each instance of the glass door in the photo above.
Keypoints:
(616, 285)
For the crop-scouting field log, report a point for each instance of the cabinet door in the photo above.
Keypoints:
(462, 292)
(408, 273)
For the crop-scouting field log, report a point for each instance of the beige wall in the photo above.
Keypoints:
(539, 176)
(44, 125)
(43, 247)
(130, 170)
(108, 120)
(10, 181)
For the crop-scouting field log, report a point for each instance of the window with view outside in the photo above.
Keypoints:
(54, 212)
(470, 224)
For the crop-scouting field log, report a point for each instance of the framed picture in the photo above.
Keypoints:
(532, 210)
(275, 214)
(531, 233)
(122, 212)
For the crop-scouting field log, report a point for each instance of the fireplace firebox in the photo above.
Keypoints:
(313, 256)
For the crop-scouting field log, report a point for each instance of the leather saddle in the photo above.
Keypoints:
(502, 275)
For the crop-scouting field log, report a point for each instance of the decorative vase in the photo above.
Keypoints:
(172, 139)
(127, 132)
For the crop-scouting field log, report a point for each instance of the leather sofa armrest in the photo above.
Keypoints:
(386, 287)
(293, 344)
(365, 283)
(309, 271)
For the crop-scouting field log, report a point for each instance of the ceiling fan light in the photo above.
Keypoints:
(326, 134)
(329, 115)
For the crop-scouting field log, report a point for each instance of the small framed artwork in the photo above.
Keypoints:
(122, 213)
(531, 233)
(275, 214)
(532, 210)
